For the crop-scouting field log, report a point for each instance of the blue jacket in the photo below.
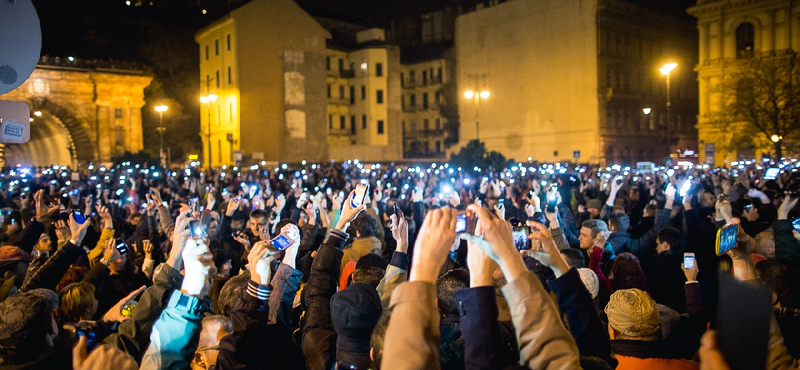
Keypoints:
(175, 333)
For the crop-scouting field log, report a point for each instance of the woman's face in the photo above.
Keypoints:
(92, 310)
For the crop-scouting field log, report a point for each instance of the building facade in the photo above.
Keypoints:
(734, 33)
(274, 88)
(569, 79)
(424, 96)
(81, 111)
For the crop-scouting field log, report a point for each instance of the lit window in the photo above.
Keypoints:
(364, 67)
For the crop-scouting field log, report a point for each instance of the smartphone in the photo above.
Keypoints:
(121, 246)
(795, 223)
(396, 210)
(359, 196)
(551, 205)
(466, 222)
(280, 242)
(84, 329)
(772, 173)
(520, 236)
(501, 203)
(688, 261)
(670, 172)
(726, 238)
(196, 229)
(79, 216)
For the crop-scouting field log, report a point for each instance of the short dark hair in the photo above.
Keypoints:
(365, 225)
(446, 285)
(574, 257)
(259, 213)
(619, 221)
(378, 334)
(671, 236)
(371, 275)
(783, 280)
(597, 226)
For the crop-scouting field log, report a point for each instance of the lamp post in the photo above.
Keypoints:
(666, 70)
(477, 95)
(161, 109)
(646, 111)
(208, 100)
(776, 139)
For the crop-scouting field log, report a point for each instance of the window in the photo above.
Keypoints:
(364, 66)
(341, 64)
(411, 76)
(216, 47)
(379, 96)
(230, 76)
(206, 52)
(341, 91)
(329, 91)
(364, 121)
(425, 101)
(352, 125)
(327, 63)
(217, 78)
(438, 124)
(438, 147)
(424, 78)
(330, 122)
(117, 112)
(402, 102)
(402, 79)
(412, 101)
(745, 40)
(439, 74)
(425, 124)
(363, 92)
(352, 95)
(228, 42)
(208, 81)
(380, 127)
(342, 122)
(379, 69)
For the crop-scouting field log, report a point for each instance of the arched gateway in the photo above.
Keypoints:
(82, 111)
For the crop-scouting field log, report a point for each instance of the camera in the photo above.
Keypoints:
(466, 222)
(520, 236)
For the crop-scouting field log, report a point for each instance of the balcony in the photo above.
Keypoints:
(410, 84)
(347, 73)
(339, 101)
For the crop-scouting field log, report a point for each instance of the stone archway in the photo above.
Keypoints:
(89, 111)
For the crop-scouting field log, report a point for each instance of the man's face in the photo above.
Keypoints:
(661, 246)
(585, 238)
(256, 224)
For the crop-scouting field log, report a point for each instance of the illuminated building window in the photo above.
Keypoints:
(364, 66)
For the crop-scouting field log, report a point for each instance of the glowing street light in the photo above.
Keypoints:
(646, 110)
(38, 113)
(208, 99)
(477, 95)
(775, 138)
(666, 70)
(161, 109)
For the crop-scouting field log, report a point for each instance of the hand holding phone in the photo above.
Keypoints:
(359, 196)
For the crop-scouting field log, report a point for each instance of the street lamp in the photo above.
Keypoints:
(161, 109)
(477, 96)
(208, 100)
(646, 111)
(666, 70)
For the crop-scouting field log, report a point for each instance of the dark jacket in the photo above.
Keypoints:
(485, 345)
(787, 248)
(666, 279)
(451, 344)
(319, 337)
(54, 269)
(585, 325)
(622, 242)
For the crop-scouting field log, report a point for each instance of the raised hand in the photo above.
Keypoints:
(546, 251)
(259, 260)
(114, 313)
(348, 212)
(77, 230)
(197, 263)
(434, 240)
(110, 252)
(400, 231)
(233, 205)
(786, 206)
(63, 232)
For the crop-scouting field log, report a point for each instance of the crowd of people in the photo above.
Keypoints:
(381, 266)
